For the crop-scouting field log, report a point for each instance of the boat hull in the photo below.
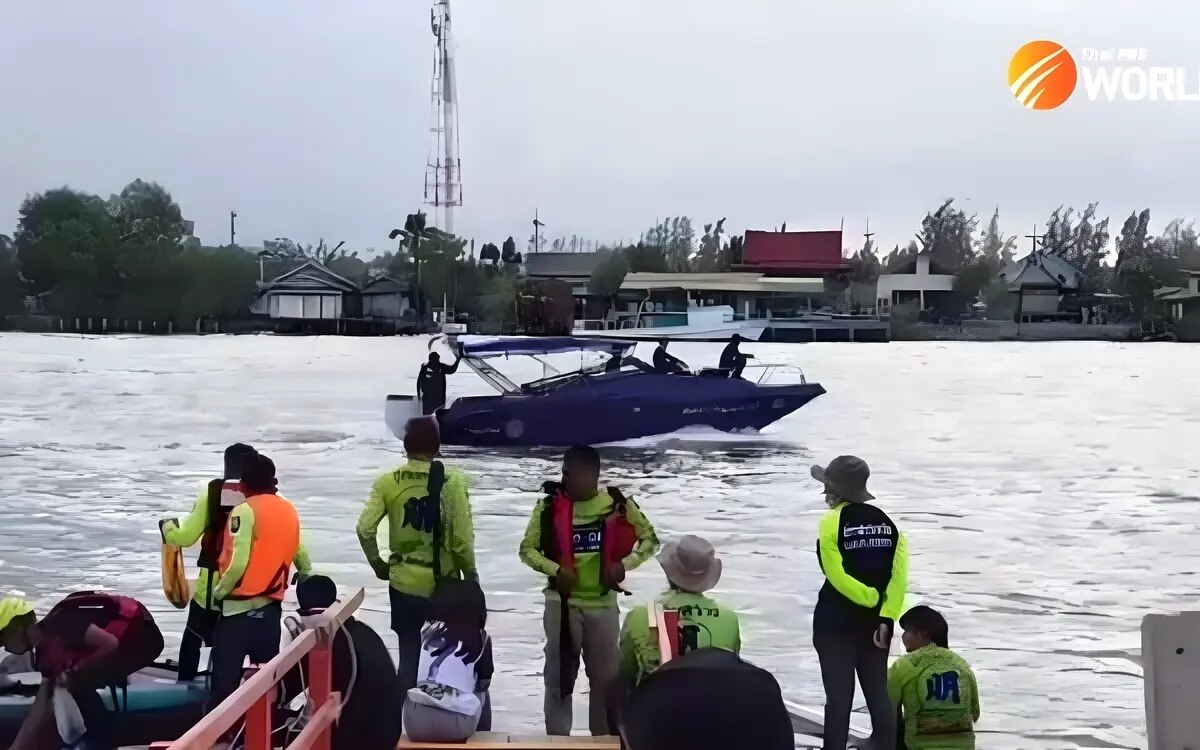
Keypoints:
(613, 407)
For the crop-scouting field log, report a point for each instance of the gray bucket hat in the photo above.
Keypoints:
(691, 564)
(846, 477)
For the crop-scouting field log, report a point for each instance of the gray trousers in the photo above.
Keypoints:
(594, 633)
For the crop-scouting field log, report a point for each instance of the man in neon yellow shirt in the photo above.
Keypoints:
(417, 522)
(207, 524)
(583, 540)
(692, 568)
(933, 686)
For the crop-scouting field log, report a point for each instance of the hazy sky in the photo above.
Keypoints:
(310, 117)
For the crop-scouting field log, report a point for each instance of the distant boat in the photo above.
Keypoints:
(709, 323)
(607, 402)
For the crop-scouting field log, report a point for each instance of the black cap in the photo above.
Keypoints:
(233, 459)
(316, 593)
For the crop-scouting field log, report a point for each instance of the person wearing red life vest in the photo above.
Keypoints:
(262, 538)
(583, 540)
(88, 641)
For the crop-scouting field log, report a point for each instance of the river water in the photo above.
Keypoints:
(1049, 492)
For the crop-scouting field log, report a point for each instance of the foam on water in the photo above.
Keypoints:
(1048, 492)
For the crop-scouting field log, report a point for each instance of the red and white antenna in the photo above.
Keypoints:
(443, 172)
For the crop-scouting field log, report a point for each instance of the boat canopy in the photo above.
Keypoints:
(532, 346)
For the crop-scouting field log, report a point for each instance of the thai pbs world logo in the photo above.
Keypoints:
(1044, 74)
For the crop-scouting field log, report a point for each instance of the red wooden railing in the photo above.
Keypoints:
(256, 695)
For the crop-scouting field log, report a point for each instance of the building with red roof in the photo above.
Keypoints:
(795, 254)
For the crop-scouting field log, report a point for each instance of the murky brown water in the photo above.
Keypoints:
(1049, 491)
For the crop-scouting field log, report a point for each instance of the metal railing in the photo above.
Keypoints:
(254, 699)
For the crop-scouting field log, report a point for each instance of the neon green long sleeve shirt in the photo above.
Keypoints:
(400, 496)
(189, 533)
(588, 513)
(939, 696)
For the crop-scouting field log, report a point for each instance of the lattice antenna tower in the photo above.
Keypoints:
(443, 175)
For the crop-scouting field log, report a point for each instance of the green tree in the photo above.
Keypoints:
(645, 258)
(1082, 243)
(609, 273)
(12, 296)
(997, 248)
(948, 235)
(708, 258)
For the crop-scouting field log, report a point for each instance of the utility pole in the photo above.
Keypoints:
(867, 235)
(232, 230)
(537, 227)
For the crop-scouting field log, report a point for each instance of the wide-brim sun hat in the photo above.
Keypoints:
(846, 477)
(691, 564)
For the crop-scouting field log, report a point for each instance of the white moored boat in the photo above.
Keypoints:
(710, 323)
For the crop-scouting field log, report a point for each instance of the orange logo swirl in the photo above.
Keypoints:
(1042, 75)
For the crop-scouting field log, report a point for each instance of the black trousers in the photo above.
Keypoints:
(431, 402)
(843, 653)
(201, 623)
(408, 617)
(252, 634)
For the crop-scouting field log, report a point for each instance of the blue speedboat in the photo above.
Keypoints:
(615, 399)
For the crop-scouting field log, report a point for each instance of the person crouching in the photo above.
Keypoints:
(451, 702)
(932, 686)
(88, 641)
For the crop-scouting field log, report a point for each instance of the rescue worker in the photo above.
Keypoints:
(692, 568)
(431, 382)
(865, 561)
(732, 358)
(206, 524)
(667, 364)
(417, 522)
(88, 641)
(933, 686)
(262, 539)
(584, 541)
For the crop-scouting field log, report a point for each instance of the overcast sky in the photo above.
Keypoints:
(310, 117)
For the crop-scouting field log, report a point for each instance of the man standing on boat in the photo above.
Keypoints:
(431, 382)
(865, 561)
(429, 514)
(583, 540)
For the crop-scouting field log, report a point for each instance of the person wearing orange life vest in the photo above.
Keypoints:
(584, 540)
(206, 525)
(262, 538)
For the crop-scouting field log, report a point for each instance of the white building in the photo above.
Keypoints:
(308, 292)
(1041, 281)
(920, 280)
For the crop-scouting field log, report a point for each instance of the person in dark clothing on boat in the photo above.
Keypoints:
(708, 699)
(431, 382)
(732, 358)
(666, 364)
(865, 561)
(369, 720)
